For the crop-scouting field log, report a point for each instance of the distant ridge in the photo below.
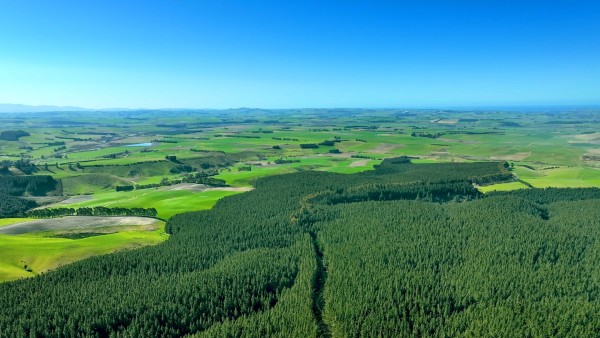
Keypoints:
(21, 108)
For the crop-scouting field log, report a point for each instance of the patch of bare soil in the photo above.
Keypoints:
(71, 200)
(513, 157)
(185, 186)
(340, 155)
(384, 148)
(359, 163)
(588, 137)
(201, 187)
(76, 223)
(448, 140)
(594, 151)
(238, 189)
(447, 121)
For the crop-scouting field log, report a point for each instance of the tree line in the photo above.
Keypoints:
(93, 211)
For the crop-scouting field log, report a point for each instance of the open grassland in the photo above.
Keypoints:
(560, 177)
(93, 153)
(567, 139)
(91, 183)
(166, 202)
(502, 187)
(9, 221)
(42, 252)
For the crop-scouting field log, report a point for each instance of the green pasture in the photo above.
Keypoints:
(561, 177)
(503, 187)
(540, 140)
(42, 253)
(9, 221)
(91, 183)
(335, 163)
(166, 202)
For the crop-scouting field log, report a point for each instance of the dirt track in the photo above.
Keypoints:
(74, 223)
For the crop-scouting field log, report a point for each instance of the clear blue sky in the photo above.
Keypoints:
(275, 54)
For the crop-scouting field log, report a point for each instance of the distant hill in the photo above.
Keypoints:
(20, 108)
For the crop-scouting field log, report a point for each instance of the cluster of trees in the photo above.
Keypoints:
(283, 161)
(116, 155)
(430, 192)
(182, 169)
(163, 141)
(276, 261)
(480, 173)
(11, 206)
(309, 145)
(24, 164)
(426, 134)
(40, 185)
(94, 211)
(215, 160)
(12, 135)
(329, 143)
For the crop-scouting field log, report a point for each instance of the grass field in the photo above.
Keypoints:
(10, 221)
(91, 183)
(503, 187)
(560, 177)
(166, 202)
(42, 253)
(90, 154)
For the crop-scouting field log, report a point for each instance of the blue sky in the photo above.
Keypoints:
(278, 54)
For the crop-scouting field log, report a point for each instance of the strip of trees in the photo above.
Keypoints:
(94, 211)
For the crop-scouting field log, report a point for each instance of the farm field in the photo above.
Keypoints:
(503, 187)
(42, 245)
(169, 163)
(166, 202)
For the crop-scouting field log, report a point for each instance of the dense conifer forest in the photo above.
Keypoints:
(30, 185)
(13, 188)
(11, 206)
(406, 249)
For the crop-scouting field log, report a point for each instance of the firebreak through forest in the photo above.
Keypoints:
(405, 250)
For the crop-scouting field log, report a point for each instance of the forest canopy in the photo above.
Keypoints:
(403, 250)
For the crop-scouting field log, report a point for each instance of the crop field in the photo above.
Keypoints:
(146, 159)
